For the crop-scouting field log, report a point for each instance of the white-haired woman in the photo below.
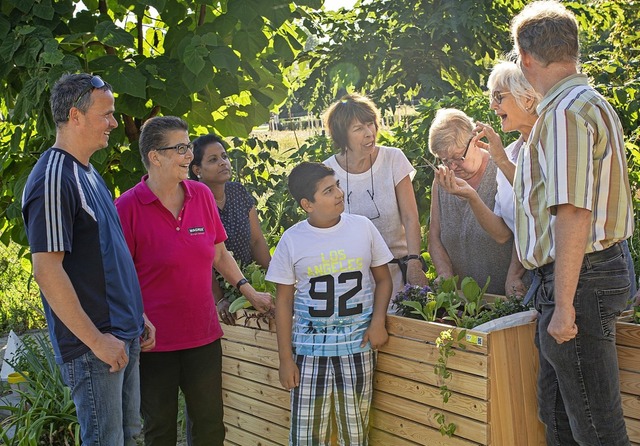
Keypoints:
(465, 237)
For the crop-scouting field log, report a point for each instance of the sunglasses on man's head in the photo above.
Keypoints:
(96, 82)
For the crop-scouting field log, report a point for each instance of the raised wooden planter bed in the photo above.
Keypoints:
(628, 345)
(493, 385)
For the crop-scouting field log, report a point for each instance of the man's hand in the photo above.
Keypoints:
(563, 326)
(110, 350)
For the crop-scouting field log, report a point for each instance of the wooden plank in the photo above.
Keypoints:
(259, 391)
(473, 363)
(251, 371)
(256, 408)
(430, 397)
(633, 429)
(423, 372)
(250, 353)
(629, 382)
(416, 432)
(243, 437)
(382, 438)
(631, 406)
(513, 408)
(425, 415)
(627, 334)
(264, 339)
(628, 358)
(426, 331)
(263, 429)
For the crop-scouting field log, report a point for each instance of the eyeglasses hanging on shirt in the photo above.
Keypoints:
(369, 210)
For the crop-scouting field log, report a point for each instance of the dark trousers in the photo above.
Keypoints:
(198, 372)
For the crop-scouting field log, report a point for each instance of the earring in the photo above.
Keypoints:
(199, 176)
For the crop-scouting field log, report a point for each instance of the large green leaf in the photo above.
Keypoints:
(112, 35)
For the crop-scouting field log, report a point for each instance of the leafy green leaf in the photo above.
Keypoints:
(112, 35)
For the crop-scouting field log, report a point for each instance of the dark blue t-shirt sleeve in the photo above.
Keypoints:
(49, 207)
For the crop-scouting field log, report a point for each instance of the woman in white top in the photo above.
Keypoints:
(376, 181)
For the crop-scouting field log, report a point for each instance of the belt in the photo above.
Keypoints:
(589, 259)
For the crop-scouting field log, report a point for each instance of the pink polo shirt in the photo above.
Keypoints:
(174, 261)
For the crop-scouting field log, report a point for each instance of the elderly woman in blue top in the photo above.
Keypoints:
(236, 206)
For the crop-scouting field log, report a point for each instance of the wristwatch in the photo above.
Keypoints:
(411, 257)
(241, 282)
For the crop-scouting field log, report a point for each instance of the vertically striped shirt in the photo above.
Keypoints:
(575, 155)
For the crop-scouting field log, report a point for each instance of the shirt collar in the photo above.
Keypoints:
(567, 83)
(146, 196)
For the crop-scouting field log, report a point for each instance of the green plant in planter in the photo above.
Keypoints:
(45, 413)
(446, 343)
(256, 277)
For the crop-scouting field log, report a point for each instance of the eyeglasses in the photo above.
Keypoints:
(181, 148)
(96, 82)
(498, 96)
(449, 161)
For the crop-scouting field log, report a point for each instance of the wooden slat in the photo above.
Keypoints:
(264, 339)
(473, 363)
(413, 431)
(627, 334)
(382, 438)
(425, 415)
(631, 406)
(429, 396)
(245, 438)
(513, 407)
(251, 371)
(629, 382)
(256, 426)
(259, 409)
(259, 391)
(423, 372)
(633, 429)
(628, 358)
(426, 332)
(249, 353)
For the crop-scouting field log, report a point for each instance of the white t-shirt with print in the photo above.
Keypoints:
(330, 268)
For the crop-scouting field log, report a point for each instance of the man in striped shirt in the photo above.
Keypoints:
(573, 208)
(82, 264)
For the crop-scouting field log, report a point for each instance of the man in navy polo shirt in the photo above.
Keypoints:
(81, 262)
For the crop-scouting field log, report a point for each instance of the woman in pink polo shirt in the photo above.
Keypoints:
(175, 236)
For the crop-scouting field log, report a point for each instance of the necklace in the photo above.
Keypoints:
(371, 192)
(221, 201)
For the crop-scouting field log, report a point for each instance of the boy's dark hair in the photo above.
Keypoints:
(304, 179)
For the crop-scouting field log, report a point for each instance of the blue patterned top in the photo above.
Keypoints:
(235, 218)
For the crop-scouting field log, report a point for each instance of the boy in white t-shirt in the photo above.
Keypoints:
(333, 288)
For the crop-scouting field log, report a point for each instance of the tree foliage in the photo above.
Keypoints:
(396, 51)
(221, 65)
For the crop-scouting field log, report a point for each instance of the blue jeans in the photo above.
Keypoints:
(108, 404)
(578, 385)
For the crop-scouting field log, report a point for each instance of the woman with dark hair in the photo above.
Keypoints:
(237, 209)
(175, 236)
(376, 181)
